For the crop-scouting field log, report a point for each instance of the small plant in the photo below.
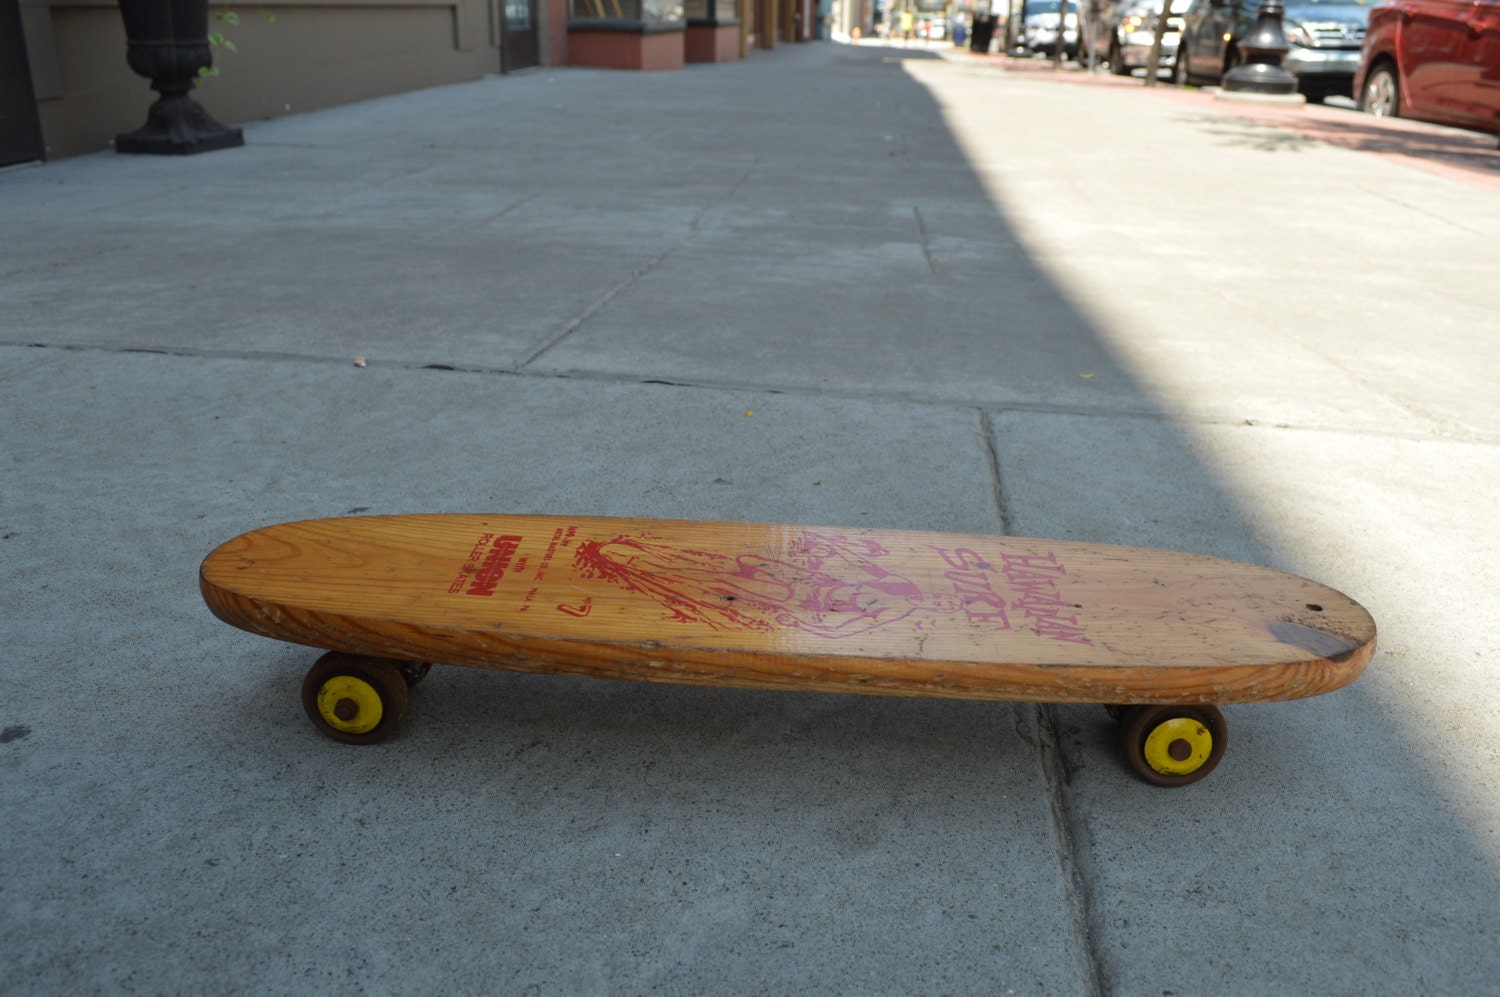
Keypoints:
(218, 39)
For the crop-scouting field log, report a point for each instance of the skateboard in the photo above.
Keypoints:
(1161, 638)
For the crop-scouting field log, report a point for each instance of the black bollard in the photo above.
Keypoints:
(1263, 49)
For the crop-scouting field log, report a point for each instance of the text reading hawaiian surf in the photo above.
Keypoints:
(1032, 581)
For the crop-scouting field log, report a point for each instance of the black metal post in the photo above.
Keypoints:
(1263, 49)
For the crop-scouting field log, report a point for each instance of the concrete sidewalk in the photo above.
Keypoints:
(828, 284)
(1453, 153)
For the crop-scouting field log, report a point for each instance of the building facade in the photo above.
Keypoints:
(65, 88)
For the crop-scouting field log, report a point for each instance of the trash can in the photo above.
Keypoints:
(983, 33)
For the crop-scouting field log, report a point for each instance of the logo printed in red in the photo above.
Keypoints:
(489, 571)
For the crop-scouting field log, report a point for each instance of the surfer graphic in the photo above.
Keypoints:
(833, 586)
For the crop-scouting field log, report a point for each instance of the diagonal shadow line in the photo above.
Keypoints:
(1255, 543)
(1015, 347)
(831, 286)
(1020, 328)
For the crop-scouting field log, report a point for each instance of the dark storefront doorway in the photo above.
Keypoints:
(518, 36)
(20, 132)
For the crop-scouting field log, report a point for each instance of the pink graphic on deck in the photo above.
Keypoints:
(836, 586)
(832, 586)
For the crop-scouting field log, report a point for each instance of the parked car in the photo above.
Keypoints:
(1436, 60)
(1326, 37)
(1039, 28)
(1122, 34)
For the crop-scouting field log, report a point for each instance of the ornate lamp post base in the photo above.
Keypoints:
(1263, 48)
(1258, 77)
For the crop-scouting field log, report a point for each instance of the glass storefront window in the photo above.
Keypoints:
(518, 14)
(724, 11)
(648, 11)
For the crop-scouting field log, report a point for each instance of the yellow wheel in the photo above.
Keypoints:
(350, 705)
(1179, 746)
(1173, 745)
(354, 699)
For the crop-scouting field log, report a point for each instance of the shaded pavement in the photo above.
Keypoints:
(859, 286)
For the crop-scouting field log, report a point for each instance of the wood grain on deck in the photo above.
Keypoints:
(773, 606)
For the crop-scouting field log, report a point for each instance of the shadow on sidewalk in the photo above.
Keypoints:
(775, 290)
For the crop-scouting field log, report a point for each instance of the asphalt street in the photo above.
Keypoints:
(828, 284)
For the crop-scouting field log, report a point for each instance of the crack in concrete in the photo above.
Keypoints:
(1381, 195)
(987, 406)
(922, 234)
(992, 455)
(1070, 841)
(603, 301)
(574, 324)
(1444, 428)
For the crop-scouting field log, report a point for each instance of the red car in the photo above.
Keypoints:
(1435, 60)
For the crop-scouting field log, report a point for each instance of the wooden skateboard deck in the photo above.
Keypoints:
(788, 607)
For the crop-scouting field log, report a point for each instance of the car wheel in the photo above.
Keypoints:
(1116, 61)
(1382, 93)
